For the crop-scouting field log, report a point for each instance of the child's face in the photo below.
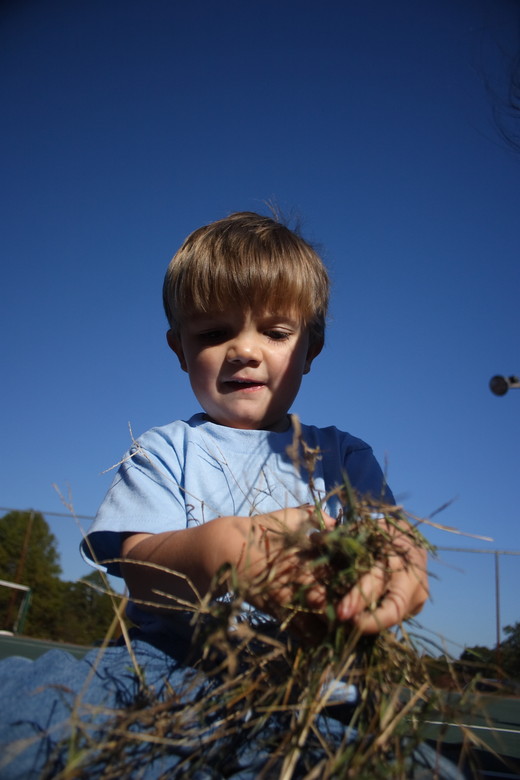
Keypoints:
(245, 367)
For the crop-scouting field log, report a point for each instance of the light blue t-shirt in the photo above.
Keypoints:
(189, 472)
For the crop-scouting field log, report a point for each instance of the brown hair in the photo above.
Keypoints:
(248, 259)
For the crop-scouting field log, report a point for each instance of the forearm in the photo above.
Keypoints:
(180, 563)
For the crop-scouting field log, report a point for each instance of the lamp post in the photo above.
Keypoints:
(499, 385)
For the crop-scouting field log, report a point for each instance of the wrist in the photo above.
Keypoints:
(228, 543)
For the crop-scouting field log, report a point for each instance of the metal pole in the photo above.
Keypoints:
(497, 601)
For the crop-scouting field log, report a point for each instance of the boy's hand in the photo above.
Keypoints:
(393, 590)
(276, 573)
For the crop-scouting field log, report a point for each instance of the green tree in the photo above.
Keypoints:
(87, 610)
(29, 556)
(479, 660)
(499, 662)
(510, 651)
(78, 612)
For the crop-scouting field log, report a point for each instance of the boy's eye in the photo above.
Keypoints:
(212, 336)
(277, 335)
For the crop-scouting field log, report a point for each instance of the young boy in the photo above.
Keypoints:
(246, 300)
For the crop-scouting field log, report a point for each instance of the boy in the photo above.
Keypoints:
(246, 300)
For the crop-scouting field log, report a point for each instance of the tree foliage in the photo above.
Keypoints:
(87, 610)
(28, 549)
(510, 651)
(29, 556)
(496, 662)
(75, 612)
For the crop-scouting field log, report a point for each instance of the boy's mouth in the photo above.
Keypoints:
(246, 385)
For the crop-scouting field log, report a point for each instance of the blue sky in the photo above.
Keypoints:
(128, 124)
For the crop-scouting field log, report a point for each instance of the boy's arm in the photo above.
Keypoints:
(184, 562)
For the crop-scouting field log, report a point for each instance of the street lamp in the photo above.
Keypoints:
(499, 385)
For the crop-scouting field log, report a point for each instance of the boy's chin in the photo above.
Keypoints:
(280, 425)
(277, 425)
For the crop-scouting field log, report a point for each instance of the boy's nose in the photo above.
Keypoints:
(243, 351)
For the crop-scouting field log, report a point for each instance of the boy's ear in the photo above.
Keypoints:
(174, 343)
(314, 350)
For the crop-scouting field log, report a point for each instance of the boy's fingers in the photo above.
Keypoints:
(366, 592)
(392, 610)
(299, 595)
(317, 517)
(294, 582)
(327, 520)
(405, 593)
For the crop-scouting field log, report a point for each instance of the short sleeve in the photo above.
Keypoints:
(146, 496)
(366, 476)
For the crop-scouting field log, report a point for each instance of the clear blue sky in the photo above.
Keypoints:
(125, 125)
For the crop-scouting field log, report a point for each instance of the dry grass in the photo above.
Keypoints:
(261, 699)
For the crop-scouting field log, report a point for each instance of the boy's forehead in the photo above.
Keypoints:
(245, 314)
